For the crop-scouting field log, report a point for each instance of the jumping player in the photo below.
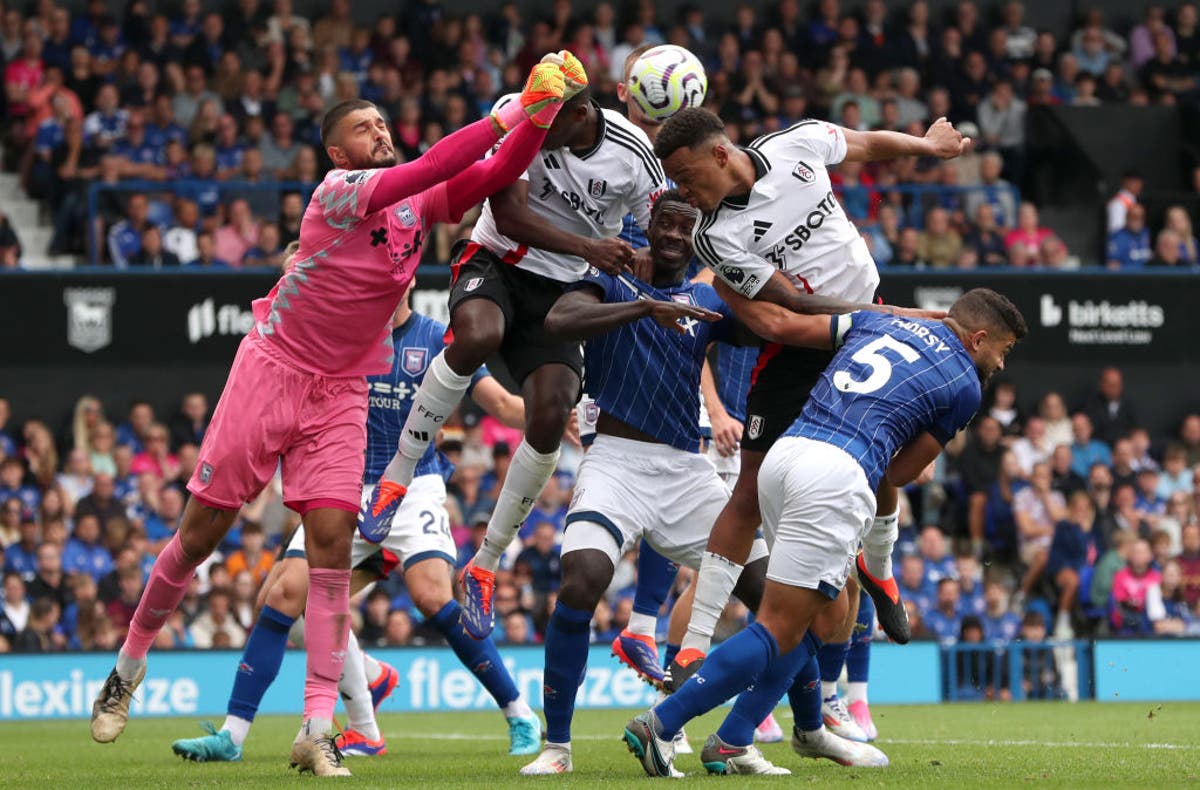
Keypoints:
(643, 477)
(419, 542)
(773, 231)
(533, 239)
(896, 391)
(297, 392)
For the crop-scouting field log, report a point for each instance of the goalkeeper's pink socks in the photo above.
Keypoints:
(326, 624)
(169, 580)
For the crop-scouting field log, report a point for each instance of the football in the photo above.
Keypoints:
(666, 79)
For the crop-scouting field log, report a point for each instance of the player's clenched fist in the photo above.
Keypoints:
(611, 256)
(947, 141)
(574, 74)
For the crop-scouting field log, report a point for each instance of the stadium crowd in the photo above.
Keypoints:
(1072, 521)
(212, 114)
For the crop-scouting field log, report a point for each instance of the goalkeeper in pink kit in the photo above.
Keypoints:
(296, 396)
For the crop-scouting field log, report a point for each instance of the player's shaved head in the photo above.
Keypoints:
(983, 308)
(687, 128)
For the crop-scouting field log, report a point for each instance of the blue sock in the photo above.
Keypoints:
(805, 697)
(831, 659)
(755, 703)
(858, 660)
(669, 654)
(260, 662)
(481, 657)
(728, 670)
(566, 661)
(655, 574)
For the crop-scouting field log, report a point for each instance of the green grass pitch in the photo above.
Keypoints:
(968, 745)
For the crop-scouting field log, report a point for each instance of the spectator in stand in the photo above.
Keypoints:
(944, 619)
(979, 467)
(1166, 251)
(185, 104)
(1000, 625)
(84, 552)
(291, 211)
(106, 125)
(21, 76)
(180, 238)
(1189, 562)
(1034, 447)
(1187, 34)
(1166, 608)
(938, 562)
(157, 457)
(993, 191)
(1090, 52)
(164, 520)
(130, 583)
(21, 554)
(1175, 474)
(939, 244)
(251, 556)
(10, 245)
(101, 502)
(14, 613)
(1041, 89)
(217, 626)
(1036, 509)
(1075, 547)
(913, 584)
(206, 254)
(254, 184)
(1143, 38)
(1189, 437)
(1129, 246)
(1179, 221)
(907, 250)
(1023, 242)
(1130, 587)
(189, 425)
(280, 148)
(1111, 413)
(238, 235)
(1001, 117)
(1066, 481)
(228, 148)
(1166, 74)
(49, 581)
(1086, 450)
(268, 252)
(1085, 91)
(39, 635)
(125, 237)
(541, 557)
(1053, 254)
(152, 255)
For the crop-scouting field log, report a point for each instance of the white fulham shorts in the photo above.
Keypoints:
(670, 498)
(816, 505)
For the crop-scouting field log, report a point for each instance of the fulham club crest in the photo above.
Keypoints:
(472, 284)
(414, 361)
(597, 187)
(754, 428)
(803, 172)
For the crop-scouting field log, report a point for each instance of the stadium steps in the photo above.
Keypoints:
(22, 212)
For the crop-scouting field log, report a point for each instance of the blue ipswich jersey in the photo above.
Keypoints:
(646, 376)
(417, 341)
(892, 379)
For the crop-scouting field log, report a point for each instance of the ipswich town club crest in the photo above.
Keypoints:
(89, 317)
(803, 172)
(415, 360)
(405, 214)
(754, 428)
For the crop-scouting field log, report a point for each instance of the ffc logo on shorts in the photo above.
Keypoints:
(754, 428)
(414, 360)
(803, 172)
(472, 284)
(206, 472)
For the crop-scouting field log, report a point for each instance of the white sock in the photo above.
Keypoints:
(517, 709)
(238, 728)
(356, 695)
(828, 690)
(714, 584)
(527, 476)
(642, 624)
(128, 668)
(877, 545)
(856, 691)
(439, 394)
(373, 668)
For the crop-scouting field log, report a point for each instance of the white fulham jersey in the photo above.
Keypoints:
(587, 193)
(790, 221)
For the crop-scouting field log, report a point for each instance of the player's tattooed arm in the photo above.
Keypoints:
(514, 219)
(580, 314)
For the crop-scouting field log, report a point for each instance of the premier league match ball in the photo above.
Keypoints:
(666, 79)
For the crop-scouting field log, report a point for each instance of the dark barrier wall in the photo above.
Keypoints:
(157, 336)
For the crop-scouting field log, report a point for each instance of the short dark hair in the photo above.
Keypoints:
(670, 196)
(983, 308)
(332, 118)
(687, 128)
